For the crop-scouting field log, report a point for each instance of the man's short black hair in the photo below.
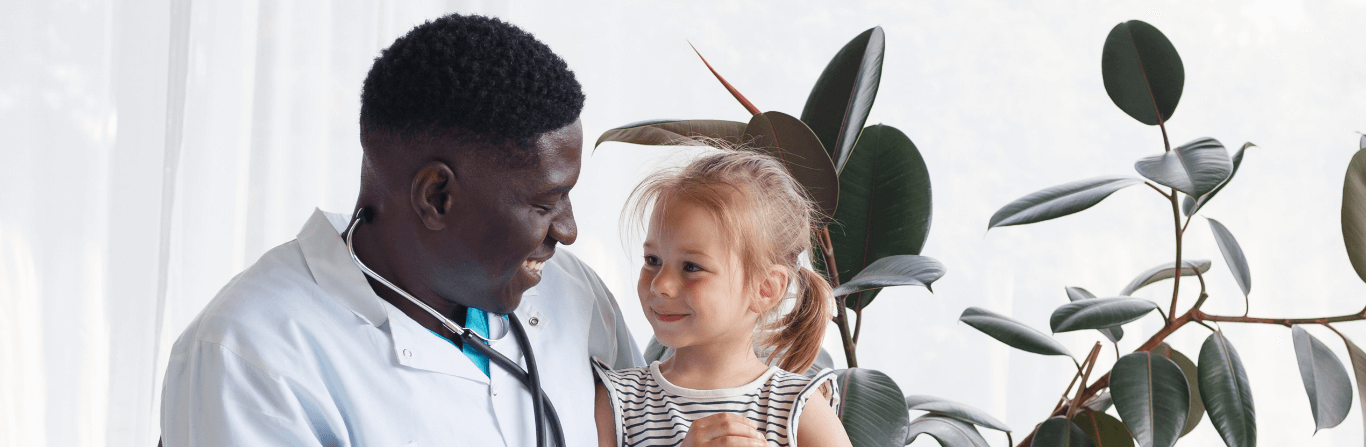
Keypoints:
(471, 78)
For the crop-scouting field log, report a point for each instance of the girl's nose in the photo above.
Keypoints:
(665, 284)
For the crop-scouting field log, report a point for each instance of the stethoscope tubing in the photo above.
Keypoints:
(530, 377)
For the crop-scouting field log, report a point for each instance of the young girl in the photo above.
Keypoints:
(721, 254)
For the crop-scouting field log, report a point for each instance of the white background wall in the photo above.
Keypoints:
(153, 149)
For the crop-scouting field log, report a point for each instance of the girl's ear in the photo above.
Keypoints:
(771, 289)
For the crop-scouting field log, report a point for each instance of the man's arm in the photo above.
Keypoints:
(213, 397)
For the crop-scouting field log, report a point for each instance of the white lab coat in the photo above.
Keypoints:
(298, 350)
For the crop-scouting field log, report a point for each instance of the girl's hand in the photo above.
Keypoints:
(724, 430)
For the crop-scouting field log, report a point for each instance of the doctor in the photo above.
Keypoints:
(471, 145)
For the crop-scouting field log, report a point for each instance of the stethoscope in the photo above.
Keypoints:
(530, 377)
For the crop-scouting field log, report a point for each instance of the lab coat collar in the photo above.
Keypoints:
(332, 268)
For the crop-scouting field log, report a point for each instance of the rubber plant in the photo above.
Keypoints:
(873, 189)
(1159, 393)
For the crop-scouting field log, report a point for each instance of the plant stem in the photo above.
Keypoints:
(1090, 364)
(1196, 314)
(1176, 220)
(832, 273)
(1159, 190)
(858, 319)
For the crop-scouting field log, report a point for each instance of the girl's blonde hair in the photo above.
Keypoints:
(768, 219)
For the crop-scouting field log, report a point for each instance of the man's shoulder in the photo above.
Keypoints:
(262, 305)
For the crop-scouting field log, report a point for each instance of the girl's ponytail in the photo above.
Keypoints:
(799, 332)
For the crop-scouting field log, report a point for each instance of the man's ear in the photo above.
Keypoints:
(772, 289)
(433, 194)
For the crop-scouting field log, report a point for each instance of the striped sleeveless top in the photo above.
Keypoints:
(650, 411)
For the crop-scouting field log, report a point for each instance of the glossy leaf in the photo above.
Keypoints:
(1152, 398)
(1233, 255)
(954, 410)
(787, 139)
(1076, 294)
(1225, 391)
(1102, 429)
(1099, 313)
(657, 352)
(838, 105)
(1011, 332)
(898, 270)
(1142, 72)
(1190, 206)
(1358, 365)
(1195, 168)
(1325, 380)
(948, 431)
(884, 205)
(1057, 431)
(733, 92)
(1354, 212)
(675, 132)
(1100, 402)
(1197, 406)
(872, 409)
(1059, 201)
(1164, 271)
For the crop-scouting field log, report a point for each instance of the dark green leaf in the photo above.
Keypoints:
(1011, 332)
(1233, 255)
(1152, 398)
(1197, 407)
(954, 410)
(1358, 365)
(655, 352)
(1100, 402)
(1325, 380)
(1057, 431)
(675, 132)
(1354, 212)
(1077, 294)
(838, 105)
(1059, 201)
(1102, 429)
(885, 205)
(787, 139)
(1099, 313)
(1142, 72)
(948, 431)
(1190, 206)
(898, 270)
(1195, 168)
(872, 410)
(1164, 271)
(1225, 392)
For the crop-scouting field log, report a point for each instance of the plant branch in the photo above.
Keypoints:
(832, 273)
(858, 318)
(1090, 364)
(1176, 221)
(1159, 190)
(1196, 314)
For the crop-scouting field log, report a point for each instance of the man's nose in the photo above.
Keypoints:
(562, 227)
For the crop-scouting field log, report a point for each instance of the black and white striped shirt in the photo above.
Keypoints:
(650, 411)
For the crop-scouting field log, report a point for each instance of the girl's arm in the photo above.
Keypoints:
(607, 423)
(820, 426)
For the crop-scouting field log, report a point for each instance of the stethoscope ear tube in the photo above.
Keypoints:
(529, 377)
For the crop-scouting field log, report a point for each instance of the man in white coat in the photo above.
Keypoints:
(471, 145)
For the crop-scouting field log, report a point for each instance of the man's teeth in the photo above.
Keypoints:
(534, 266)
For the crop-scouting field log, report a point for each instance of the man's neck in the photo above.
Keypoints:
(373, 249)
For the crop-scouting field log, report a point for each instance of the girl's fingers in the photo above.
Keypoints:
(727, 429)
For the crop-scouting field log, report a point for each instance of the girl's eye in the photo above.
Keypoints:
(691, 267)
(652, 260)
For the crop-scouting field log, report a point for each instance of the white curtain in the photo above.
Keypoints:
(152, 149)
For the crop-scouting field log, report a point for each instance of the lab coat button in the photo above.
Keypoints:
(407, 353)
(534, 321)
(493, 390)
